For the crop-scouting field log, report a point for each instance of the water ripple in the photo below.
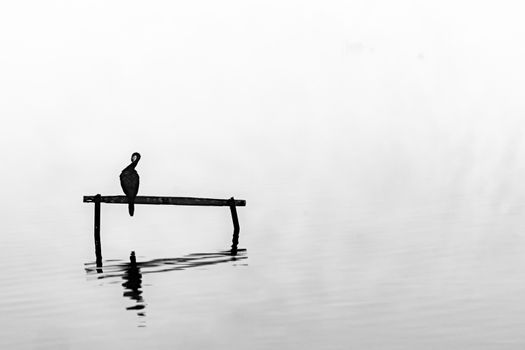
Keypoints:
(131, 272)
(119, 268)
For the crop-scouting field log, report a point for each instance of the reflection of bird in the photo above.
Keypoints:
(129, 180)
(133, 284)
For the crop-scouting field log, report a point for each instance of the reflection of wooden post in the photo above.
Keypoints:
(98, 250)
(236, 227)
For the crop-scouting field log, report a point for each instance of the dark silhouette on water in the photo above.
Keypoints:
(155, 200)
(116, 268)
(132, 272)
(132, 285)
(129, 180)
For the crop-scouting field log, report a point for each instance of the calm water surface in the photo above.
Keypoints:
(377, 275)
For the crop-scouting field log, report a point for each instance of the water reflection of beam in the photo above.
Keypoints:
(116, 268)
(131, 272)
(232, 252)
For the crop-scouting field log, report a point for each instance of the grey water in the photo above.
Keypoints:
(379, 147)
(389, 257)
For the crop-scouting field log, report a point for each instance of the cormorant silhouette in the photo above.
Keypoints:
(129, 180)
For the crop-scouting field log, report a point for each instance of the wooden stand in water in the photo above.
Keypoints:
(232, 203)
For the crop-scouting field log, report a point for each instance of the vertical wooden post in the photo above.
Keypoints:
(236, 227)
(98, 250)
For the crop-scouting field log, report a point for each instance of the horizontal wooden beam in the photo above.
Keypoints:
(167, 200)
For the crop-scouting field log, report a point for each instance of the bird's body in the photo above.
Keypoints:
(129, 180)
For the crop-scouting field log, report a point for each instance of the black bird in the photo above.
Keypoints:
(129, 180)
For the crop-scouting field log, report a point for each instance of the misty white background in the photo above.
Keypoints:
(290, 90)
(359, 100)
(316, 113)
(267, 93)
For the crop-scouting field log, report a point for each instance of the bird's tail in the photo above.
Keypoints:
(131, 208)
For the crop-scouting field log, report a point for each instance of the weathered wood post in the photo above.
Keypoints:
(98, 249)
(236, 227)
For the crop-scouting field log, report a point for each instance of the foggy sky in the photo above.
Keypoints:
(372, 94)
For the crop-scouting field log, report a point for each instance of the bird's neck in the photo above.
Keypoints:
(131, 166)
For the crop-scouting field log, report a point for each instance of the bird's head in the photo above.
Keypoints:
(135, 157)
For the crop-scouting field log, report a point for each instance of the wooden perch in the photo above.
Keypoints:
(232, 203)
(168, 200)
